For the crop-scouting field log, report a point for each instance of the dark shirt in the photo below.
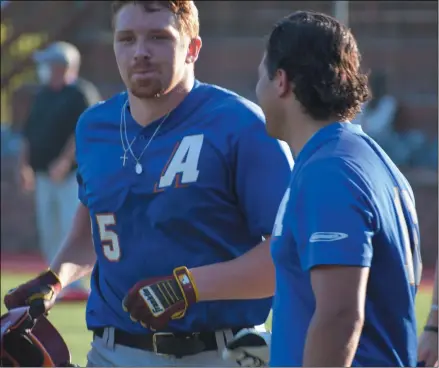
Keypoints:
(52, 121)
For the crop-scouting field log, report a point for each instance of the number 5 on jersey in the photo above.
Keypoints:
(109, 238)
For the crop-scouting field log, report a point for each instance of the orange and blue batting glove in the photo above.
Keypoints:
(156, 301)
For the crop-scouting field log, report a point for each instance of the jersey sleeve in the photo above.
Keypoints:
(336, 219)
(263, 172)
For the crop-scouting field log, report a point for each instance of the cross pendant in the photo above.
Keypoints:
(124, 158)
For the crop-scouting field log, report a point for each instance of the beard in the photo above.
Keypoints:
(144, 88)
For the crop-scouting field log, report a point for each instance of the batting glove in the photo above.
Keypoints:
(39, 293)
(156, 301)
(249, 348)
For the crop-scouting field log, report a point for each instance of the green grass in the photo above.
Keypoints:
(69, 319)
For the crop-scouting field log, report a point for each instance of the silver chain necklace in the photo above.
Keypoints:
(125, 150)
(138, 166)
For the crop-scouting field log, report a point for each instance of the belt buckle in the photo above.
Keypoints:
(154, 341)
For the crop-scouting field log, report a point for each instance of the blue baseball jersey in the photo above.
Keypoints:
(211, 183)
(349, 205)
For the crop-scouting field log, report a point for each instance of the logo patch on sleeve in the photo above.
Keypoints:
(327, 237)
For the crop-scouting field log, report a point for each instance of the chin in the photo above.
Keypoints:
(146, 88)
(146, 92)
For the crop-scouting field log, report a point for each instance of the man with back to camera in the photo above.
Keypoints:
(181, 204)
(47, 161)
(346, 238)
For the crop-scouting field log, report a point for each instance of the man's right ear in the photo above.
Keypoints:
(194, 50)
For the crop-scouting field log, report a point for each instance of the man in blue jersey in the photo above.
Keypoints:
(346, 238)
(179, 189)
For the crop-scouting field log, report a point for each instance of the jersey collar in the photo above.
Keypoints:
(325, 134)
(175, 117)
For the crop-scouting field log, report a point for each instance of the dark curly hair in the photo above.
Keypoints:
(322, 62)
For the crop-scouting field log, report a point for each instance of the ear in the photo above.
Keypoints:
(283, 85)
(193, 50)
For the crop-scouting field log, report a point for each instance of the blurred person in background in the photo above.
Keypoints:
(428, 341)
(47, 161)
(378, 119)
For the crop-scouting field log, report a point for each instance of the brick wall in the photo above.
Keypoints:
(399, 37)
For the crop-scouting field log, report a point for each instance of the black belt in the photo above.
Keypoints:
(178, 344)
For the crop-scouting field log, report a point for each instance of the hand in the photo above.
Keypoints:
(27, 178)
(428, 349)
(249, 348)
(39, 293)
(154, 302)
(59, 169)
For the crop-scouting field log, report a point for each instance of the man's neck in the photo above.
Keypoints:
(300, 131)
(145, 111)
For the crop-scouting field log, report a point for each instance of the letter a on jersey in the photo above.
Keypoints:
(184, 162)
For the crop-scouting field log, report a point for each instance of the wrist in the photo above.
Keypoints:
(187, 285)
(52, 279)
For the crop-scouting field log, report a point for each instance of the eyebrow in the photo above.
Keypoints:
(153, 30)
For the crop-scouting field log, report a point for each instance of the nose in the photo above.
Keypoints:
(142, 51)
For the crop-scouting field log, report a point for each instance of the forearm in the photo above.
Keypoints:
(250, 276)
(332, 341)
(75, 260)
(76, 257)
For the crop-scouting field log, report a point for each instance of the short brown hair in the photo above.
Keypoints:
(321, 59)
(185, 11)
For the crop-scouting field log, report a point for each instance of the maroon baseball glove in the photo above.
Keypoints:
(39, 293)
(156, 301)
